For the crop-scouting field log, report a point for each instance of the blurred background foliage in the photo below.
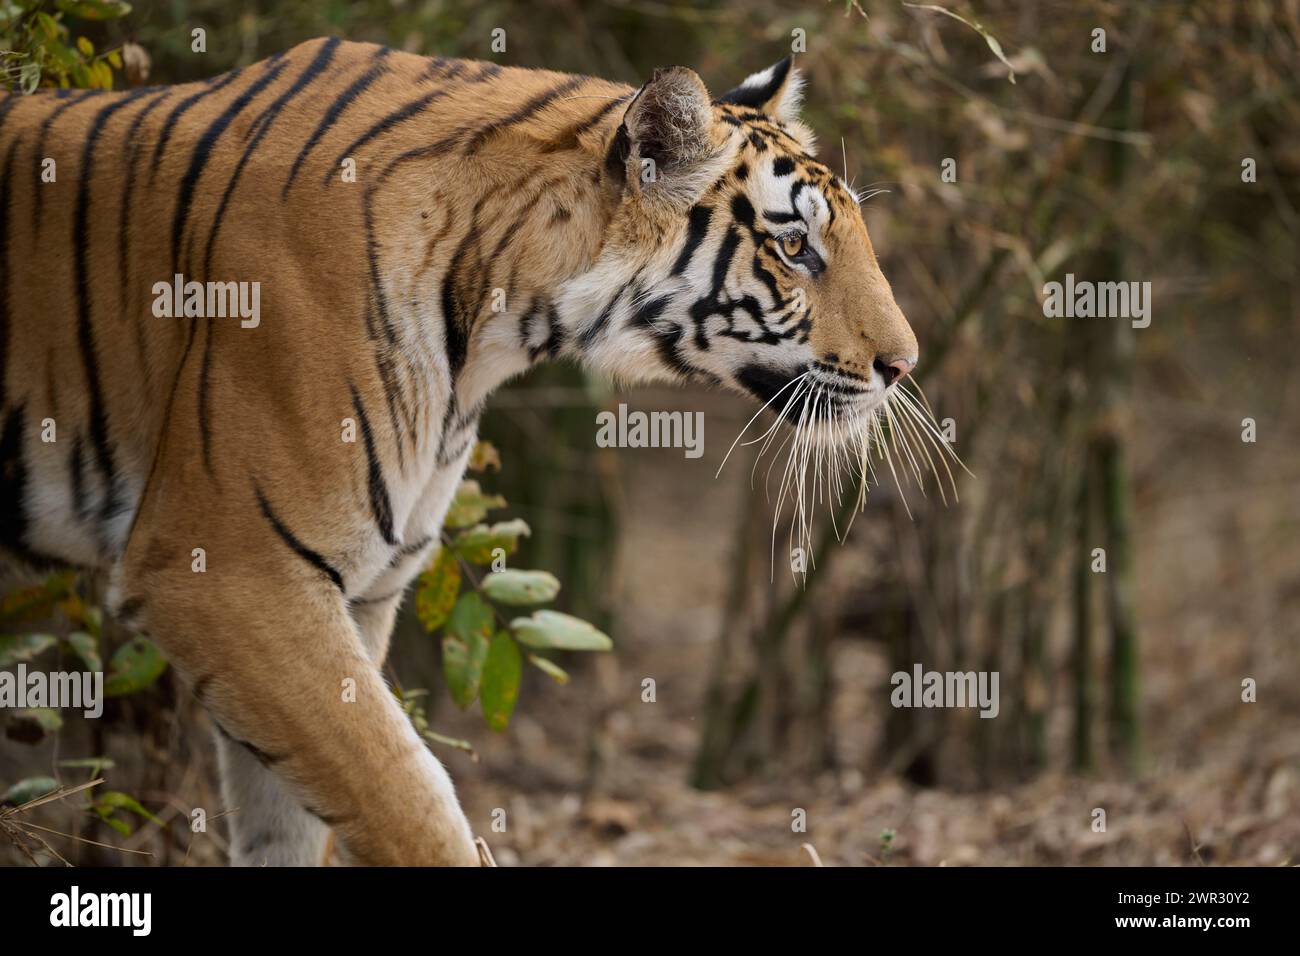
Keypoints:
(1122, 689)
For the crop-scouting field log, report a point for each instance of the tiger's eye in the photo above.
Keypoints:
(792, 244)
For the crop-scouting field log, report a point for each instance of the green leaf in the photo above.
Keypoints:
(134, 667)
(95, 9)
(471, 617)
(49, 26)
(31, 788)
(102, 75)
(462, 667)
(470, 505)
(501, 675)
(121, 826)
(436, 590)
(476, 544)
(521, 587)
(116, 800)
(31, 725)
(24, 647)
(465, 647)
(87, 648)
(552, 629)
(549, 668)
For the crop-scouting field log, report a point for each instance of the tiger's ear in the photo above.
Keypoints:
(665, 143)
(776, 91)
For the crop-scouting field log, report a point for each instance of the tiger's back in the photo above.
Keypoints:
(122, 191)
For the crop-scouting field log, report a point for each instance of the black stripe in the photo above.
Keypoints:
(203, 150)
(376, 282)
(555, 341)
(332, 115)
(392, 394)
(650, 311)
(133, 150)
(782, 217)
(526, 322)
(313, 70)
(264, 758)
(330, 820)
(589, 335)
(200, 688)
(380, 506)
(171, 398)
(40, 153)
(511, 232)
(722, 263)
(296, 546)
(13, 482)
(599, 115)
(364, 601)
(697, 228)
(180, 110)
(667, 337)
(127, 613)
(406, 550)
(382, 126)
(77, 477)
(534, 105)
(205, 426)
(99, 438)
(743, 210)
(458, 313)
(377, 314)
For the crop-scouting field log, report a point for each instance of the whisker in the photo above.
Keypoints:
(889, 460)
(905, 415)
(937, 441)
(756, 414)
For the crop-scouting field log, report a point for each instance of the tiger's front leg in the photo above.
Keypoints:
(271, 827)
(313, 737)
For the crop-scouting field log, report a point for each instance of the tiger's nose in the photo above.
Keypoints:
(893, 370)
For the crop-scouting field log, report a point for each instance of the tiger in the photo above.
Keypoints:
(405, 234)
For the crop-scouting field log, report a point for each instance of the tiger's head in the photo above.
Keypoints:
(735, 257)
